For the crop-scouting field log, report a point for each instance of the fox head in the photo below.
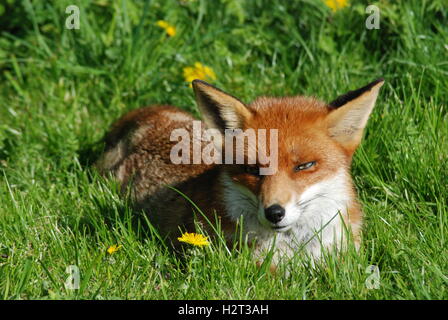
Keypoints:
(314, 147)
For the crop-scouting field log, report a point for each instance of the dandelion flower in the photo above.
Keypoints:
(169, 29)
(335, 5)
(198, 71)
(114, 248)
(195, 239)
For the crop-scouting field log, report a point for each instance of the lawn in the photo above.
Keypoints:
(61, 88)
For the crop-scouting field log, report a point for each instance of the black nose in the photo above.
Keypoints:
(274, 213)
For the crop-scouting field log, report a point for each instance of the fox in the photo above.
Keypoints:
(307, 204)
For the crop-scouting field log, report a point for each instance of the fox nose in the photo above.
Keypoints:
(274, 213)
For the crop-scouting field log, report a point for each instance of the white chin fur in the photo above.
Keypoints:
(312, 217)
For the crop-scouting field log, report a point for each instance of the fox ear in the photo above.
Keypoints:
(219, 110)
(349, 114)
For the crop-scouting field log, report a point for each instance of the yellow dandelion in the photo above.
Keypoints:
(335, 5)
(169, 29)
(114, 248)
(198, 71)
(195, 239)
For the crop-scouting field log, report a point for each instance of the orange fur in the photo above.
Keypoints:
(138, 148)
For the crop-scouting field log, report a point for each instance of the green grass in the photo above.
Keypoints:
(60, 89)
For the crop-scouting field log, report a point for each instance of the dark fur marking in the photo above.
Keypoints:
(194, 82)
(207, 100)
(213, 110)
(341, 100)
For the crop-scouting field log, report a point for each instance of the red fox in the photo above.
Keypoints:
(308, 202)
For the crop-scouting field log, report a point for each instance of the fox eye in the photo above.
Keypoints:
(304, 166)
(253, 170)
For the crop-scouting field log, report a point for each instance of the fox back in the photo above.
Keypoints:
(306, 201)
